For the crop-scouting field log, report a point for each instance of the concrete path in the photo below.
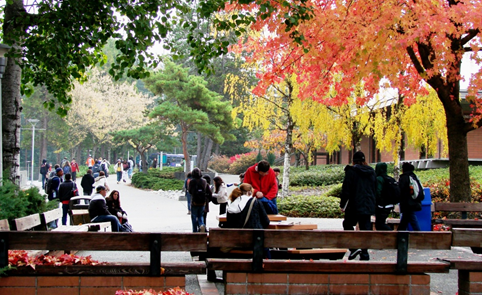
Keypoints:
(151, 211)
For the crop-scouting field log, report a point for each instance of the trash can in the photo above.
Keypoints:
(424, 216)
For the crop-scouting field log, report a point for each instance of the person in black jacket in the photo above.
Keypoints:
(408, 205)
(358, 197)
(87, 183)
(66, 191)
(241, 199)
(382, 210)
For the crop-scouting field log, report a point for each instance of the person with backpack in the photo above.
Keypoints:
(44, 169)
(87, 183)
(411, 196)
(52, 186)
(185, 188)
(197, 188)
(358, 198)
(67, 190)
(96, 169)
(388, 194)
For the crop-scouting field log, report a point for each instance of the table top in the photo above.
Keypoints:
(272, 217)
(287, 225)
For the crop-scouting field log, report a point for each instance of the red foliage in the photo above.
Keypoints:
(21, 258)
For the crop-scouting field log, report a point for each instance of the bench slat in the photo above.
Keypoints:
(121, 269)
(467, 237)
(328, 239)
(27, 222)
(458, 207)
(49, 216)
(464, 264)
(462, 222)
(4, 224)
(104, 241)
(326, 266)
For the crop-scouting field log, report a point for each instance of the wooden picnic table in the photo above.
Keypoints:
(272, 217)
(291, 225)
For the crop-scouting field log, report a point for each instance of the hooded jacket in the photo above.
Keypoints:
(381, 172)
(359, 190)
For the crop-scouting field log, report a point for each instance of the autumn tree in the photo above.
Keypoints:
(184, 100)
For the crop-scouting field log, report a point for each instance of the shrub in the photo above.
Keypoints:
(156, 179)
(242, 162)
(220, 164)
(328, 175)
(271, 158)
(310, 206)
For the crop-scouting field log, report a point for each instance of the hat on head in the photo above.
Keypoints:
(58, 170)
(100, 188)
(358, 157)
(407, 167)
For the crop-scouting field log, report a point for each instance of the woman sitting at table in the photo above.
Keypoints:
(244, 210)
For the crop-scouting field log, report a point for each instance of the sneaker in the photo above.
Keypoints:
(354, 254)
(188, 212)
(202, 228)
(124, 180)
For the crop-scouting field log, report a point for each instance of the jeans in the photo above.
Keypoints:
(119, 176)
(197, 219)
(380, 218)
(44, 177)
(113, 221)
(364, 223)
(74, 176)
(270, 206)
(188, 197)
(65, 213)
(409, 217)
(129, 173)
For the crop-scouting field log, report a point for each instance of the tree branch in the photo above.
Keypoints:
(470, 35)
(416, 62)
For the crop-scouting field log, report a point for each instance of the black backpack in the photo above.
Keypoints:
(43, 169)
(198, 191)
(96, 168)
(390, 191)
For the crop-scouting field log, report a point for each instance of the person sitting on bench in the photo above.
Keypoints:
(98, 210)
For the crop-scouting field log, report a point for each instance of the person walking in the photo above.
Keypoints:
(67, 190)
(188, 195)
(87, 183)
(66, 168)
(197, 188)
(118, 170)
(358, 198)
(388, 195)
(90, 162)
(409, 203)
(44, 169)
(75, 168)
(220, 194)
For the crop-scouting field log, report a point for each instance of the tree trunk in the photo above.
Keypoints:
(198, 149)
(11, 99)
(184, 146)
(43, 140)
(208, 147)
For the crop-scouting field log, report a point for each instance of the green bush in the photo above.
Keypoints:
(310, 206)
(320, 176)
(219, 164)
(15, 203)
(242, 163)
(156, 179)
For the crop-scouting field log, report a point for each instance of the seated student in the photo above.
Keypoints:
(244, 210)
(114, 206)
(98, 211)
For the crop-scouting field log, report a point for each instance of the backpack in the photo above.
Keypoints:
(390, 191)
(49, 189)
(43, 169)
(96, 168)
(416, 189)
(198, 191)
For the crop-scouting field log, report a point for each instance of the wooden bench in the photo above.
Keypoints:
(463, 208)
(154, 243)
(49, 216)
(242, 274)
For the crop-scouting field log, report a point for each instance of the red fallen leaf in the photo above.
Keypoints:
(476, 218)
(311, 260)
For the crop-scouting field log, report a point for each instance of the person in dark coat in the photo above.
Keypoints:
(408, 206)
(66, 190)
(87, 183)
(382, 210)
(358, 197)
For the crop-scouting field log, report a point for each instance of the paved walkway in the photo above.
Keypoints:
(151, 211)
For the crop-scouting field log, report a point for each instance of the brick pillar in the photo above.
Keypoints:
(470, 282)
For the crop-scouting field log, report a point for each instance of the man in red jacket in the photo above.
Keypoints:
(265, 186)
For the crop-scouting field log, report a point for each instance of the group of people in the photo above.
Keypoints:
(366, 192)
(252, 199)
(60, 184)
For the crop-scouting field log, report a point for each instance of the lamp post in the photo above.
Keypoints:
(33, 122)
(3, 62)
